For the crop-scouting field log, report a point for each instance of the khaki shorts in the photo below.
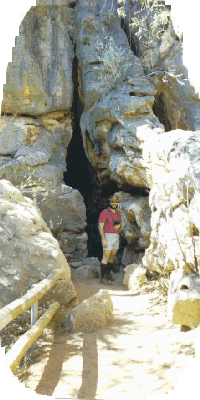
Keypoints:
(112, 240)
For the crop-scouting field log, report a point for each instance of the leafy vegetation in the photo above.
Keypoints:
(114, 59)
(150, 21)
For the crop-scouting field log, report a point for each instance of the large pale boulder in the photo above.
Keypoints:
(174, 240)
(135, 277)
(28, 250)
(93, 313)
(184, 299)
(136, 215)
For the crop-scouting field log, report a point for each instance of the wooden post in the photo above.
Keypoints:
(34, 317)
(12, 310)
(19, 349)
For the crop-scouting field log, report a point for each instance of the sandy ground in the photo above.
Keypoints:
(139, 354)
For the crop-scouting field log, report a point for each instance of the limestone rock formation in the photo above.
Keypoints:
(118, 98)
(176, 101)
(135, 277)
(32, 157)
(93, 313)
(28, 250)
(174, 240)
(184, 299)
(39, 79)
(136, 215)
(76, 68)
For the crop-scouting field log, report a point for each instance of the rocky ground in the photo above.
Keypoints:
(140, 353)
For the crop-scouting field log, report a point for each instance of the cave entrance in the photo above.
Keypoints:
(82, 176)
(160, 111)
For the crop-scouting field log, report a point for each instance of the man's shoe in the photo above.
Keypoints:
(110, 267)
(104, 273)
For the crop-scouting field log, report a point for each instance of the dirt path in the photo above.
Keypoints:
(139, 354)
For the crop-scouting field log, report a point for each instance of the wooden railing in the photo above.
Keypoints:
(12, 310)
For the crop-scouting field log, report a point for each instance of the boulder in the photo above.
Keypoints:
(29, 252)
(174, 239)
(86, 272)
(136, 215)
(91, 261)
(184, 299)
(93, 313)
(135, 277)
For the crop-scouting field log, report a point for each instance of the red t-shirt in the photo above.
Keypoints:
(111, 216)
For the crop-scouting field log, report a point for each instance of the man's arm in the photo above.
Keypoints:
(101, 225)
(101, 231)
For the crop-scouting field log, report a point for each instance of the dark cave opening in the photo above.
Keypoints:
(82, 176)
(160, 112)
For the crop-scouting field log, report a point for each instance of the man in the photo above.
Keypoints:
(109, 225)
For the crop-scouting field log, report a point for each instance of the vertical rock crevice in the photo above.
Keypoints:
(80, 173)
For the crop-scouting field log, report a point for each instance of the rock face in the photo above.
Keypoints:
(176, 101)
(174, 202)
(136, 215)
(28, 250)
(135, 277)
(32, 157)
(39, 79)
(118, 98)
(93, 313)
(184, 299)
(73, 69)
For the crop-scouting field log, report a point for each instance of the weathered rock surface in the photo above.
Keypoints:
(39, 79)
(32, 157)
(89, 268)
(177, 103)
(136, 215)
(93, 313)
(28, 250)
(184, 299)
(91, 261)
(135, 277)
(174, 203)
(118, 115)
(86, 272)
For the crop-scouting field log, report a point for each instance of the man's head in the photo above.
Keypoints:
(114, 201)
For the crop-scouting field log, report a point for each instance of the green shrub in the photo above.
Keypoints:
(151, 22)
(114, 60)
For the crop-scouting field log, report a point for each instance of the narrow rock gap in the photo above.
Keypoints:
(82, 176)
(160, 111)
